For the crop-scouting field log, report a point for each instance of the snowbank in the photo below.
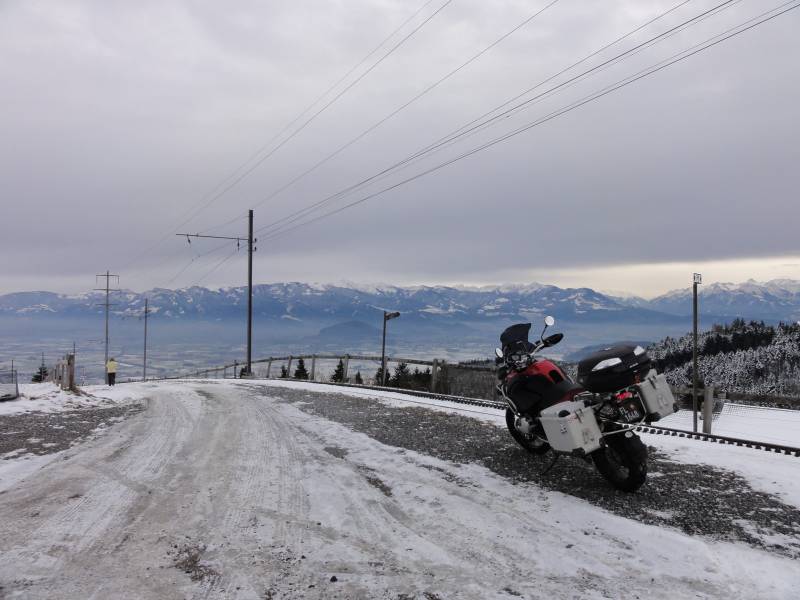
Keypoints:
(48, 397)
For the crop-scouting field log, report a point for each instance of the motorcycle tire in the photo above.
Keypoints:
(622, 462)
(523, 439)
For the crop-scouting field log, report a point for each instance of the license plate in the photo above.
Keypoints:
(631, 411)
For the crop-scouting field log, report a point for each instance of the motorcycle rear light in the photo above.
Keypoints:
(607, 363)
(624, 396)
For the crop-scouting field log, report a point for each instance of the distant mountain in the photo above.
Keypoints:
(197, 326)
(301, 301)
(774, 300)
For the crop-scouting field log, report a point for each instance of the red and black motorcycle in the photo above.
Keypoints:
(596, 417)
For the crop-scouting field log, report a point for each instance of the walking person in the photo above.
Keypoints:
(111, 371)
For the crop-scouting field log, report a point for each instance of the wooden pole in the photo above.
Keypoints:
(708, 407)
(144, 363)
(250, 293)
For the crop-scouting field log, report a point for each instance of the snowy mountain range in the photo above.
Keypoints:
(772, 301)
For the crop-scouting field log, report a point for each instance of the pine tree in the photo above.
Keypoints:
(359, 380)
(284, 372)
(379, 376)
(40, 375)
(421, 380)
(338, 374)
(300, 372)
(401, 377)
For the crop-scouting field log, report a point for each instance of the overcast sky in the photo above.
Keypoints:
(120, 120)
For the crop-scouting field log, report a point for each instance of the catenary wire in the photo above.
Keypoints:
(350, 86)
(464, 130)
(195, 258)
(406, 104)
(314, 115)
(730, 33)
(286, 127)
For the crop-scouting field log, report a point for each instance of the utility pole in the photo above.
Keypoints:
(250, 249)
(697, 279)
(144, 362)
(250, 292)
(107, 304)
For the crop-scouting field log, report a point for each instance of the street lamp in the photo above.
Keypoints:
(387, 316)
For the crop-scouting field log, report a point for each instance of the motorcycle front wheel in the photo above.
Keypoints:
(531, 445)
(623, 461)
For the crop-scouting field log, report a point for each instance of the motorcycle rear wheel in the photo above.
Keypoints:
(622, 462)
(522, 439)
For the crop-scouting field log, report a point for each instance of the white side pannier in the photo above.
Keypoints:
(571, 427)
(656, 396)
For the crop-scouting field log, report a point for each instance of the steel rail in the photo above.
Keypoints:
(653, 429)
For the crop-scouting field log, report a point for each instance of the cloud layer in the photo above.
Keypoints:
(121, 118)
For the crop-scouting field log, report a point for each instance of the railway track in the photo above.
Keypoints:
(652, 429)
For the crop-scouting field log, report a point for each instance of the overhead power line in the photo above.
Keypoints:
(237, 175)
(236, 180)
(408, 103)
(709, 43)
(470, 127)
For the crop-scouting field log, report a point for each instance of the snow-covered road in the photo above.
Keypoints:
(224, 489)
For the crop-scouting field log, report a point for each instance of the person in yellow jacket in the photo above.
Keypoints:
(111, 371)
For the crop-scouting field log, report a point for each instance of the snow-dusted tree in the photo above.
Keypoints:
(300, 372)
(358, 379)
(401, 377)
(40, 375)
(284, 372)
(338, 374)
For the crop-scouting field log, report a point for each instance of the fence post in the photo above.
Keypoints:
(346, 366)
(313, 366)
(71, 372)
(434, 368)
(708, 406)
(235, 369)
(269, 367)
(289, 368)
(225, 372)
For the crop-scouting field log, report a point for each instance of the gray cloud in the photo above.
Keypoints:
(118, 118)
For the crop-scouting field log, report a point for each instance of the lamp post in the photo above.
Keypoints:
(697, 280)
(387, 316)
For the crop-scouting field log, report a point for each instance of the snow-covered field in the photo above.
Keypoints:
(48, 398)
(222, 489)
(760, 424)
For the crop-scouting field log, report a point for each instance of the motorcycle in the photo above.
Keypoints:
(595, 418)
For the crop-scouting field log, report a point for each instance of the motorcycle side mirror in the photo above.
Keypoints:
(548, 322)
(498, 353)
(552, 340)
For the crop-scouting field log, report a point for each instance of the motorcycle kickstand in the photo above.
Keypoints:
(550, 466)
